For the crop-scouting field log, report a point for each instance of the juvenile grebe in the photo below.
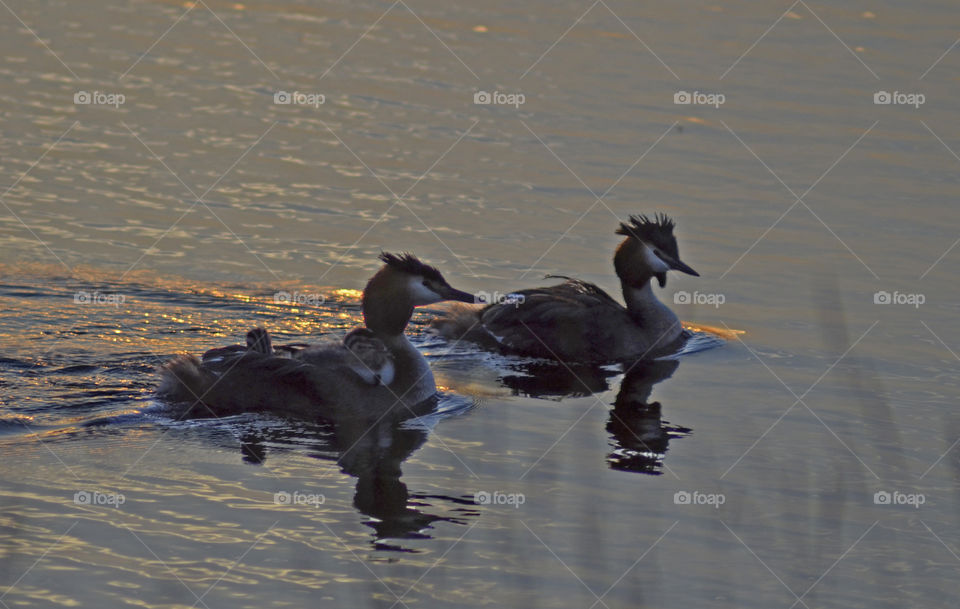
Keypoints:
(360, 350)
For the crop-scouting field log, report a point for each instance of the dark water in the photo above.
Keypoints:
(810, 461)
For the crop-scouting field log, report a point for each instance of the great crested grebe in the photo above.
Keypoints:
(576, 321)
(373, 368)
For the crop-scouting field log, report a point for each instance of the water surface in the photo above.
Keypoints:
(799, 200)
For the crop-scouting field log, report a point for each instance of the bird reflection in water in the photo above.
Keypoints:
(371, 451)
(639, 436)
(373, 455)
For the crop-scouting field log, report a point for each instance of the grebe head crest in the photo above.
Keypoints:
(658, 249)
(425, 283)
(411, 265)
(403, 283)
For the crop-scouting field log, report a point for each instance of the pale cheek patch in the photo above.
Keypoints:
(422, 295)
(658, 266)
(387, 372)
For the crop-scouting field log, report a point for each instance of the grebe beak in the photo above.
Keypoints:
(450, 293)
(676, 265)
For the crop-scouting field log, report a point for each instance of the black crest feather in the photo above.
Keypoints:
(410, 264)
(657, 232)
(643, 228)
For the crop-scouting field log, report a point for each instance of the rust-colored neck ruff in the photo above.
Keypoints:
(630, 266)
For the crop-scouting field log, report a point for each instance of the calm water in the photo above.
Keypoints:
(744, 475)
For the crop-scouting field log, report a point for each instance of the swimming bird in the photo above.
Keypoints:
(371, 359)
(361, 351)
(577, 321)
(373, 368)
(258, 340)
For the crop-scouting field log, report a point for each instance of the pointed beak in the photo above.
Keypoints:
(677, 265)
(450, 293)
